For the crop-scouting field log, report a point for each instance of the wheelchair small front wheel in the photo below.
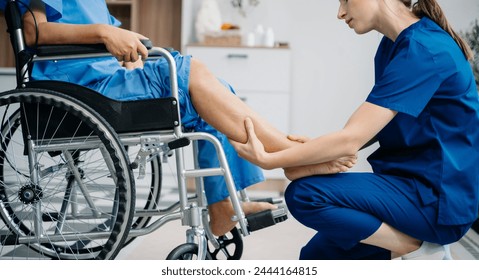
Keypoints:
(230, 246)
(185, 252)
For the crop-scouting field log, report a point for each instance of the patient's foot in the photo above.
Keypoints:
(332, 167)
(221, 213)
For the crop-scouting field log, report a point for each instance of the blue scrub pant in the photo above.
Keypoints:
(346, 208)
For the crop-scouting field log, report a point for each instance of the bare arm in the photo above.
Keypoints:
(125, 45)
(363, 125)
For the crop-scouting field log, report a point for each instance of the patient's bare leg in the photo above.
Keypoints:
(226, 112)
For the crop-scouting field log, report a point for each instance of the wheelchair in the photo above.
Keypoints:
(67, 161)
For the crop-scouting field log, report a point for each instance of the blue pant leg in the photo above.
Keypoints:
(348, 207)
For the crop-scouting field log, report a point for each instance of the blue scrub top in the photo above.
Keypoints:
(434, 138)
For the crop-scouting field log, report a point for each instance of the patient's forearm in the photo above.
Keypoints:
(50, 33)
(37, 29)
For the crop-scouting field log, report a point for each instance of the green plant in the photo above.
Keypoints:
(472, 38)
(244, 6)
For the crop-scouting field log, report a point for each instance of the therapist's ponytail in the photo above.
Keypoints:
(432, 10)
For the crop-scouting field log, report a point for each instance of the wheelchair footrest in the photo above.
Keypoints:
(266, 218)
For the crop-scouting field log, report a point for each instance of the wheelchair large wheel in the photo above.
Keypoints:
(66, 190)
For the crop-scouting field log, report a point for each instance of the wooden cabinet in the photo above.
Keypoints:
(159, 20)
(6, 53)
(260, 76)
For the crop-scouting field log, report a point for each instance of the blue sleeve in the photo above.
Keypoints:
(53, 8)
(409, 79)
(115, 21)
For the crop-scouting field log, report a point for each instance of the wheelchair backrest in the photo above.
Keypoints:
(15, 29)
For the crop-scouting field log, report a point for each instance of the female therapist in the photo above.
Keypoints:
(424, 111)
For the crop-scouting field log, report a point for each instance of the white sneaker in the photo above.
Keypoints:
(429, 251)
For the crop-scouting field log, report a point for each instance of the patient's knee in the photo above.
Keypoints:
(200, 75)
(198, 69)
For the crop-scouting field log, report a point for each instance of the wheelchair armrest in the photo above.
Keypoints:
(61, 50)
(65, 50)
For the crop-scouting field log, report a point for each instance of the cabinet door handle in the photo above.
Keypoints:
(237, 56)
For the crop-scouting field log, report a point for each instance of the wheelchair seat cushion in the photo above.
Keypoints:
(123, 116)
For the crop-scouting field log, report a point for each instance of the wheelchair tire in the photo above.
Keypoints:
(185, 252)
(73, 198)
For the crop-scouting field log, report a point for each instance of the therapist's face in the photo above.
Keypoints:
(359, 15)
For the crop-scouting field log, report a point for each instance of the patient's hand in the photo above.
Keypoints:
(332, 167)
(132, 65)
(123, 44)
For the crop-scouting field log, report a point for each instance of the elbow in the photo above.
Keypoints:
(30, 41)
(351, 146)
(32, 31)
(350, 150)
(30, 35)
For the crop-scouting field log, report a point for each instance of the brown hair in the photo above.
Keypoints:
(432, 10)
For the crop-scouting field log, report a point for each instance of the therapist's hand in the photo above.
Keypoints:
(253, 150)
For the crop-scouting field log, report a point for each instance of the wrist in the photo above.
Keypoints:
(103, 31)
(266, 162)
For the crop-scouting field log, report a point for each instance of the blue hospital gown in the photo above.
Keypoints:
(106, 76)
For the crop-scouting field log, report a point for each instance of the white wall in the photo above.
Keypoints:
(332, 66)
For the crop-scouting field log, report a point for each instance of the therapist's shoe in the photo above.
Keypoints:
(429, 251)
